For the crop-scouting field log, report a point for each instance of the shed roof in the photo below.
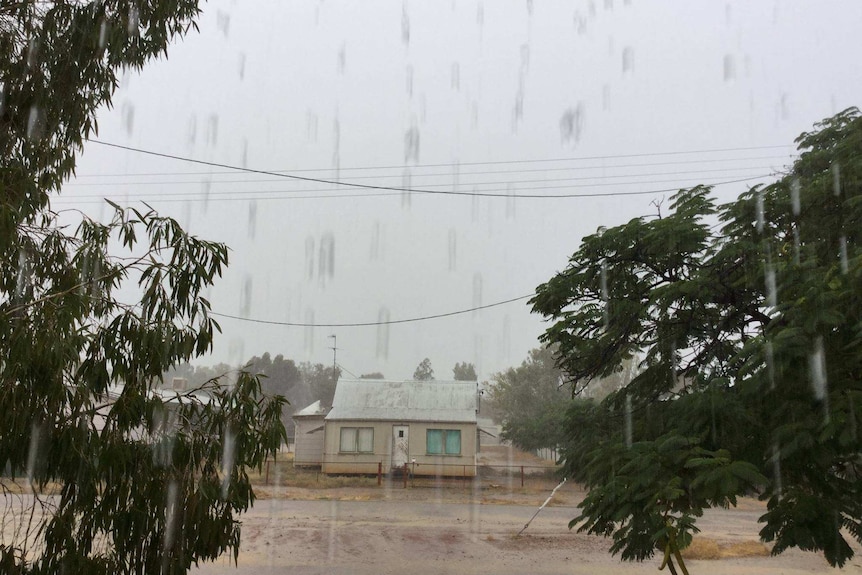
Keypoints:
(376, 399)
(315, 408)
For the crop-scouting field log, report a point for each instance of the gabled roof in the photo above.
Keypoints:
(376, 399)
(315, 408)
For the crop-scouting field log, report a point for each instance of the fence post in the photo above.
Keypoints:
(522, 476)
(406, 473)
(379, 472)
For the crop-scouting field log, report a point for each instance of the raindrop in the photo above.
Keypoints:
(411, 144)
(241, 66)
(609, 5)
(383, 333)
(172, 506)
(674, 366)
(252, 218)
(836, 179)
(311, 126)
(727, 14)
(477, 291)
(474, 114)
(510, 201)
(784, 107)
(206, 186)
(770, 363)
(33, 450)
(409, 80)
(326, 258)
(758, 211)
(530, 7)
(245, 297)
(580, 22)
(33, 53)
(212, 130)
(244, 157)
(729, 68)
(794, 197)
(603, 280)
(405, 25)
(336, 143)
(134, 20)
(22, 279)
(480, 14)
(227, 459)
(453, 246)
(518, 108)
(776, 469)
(2, 97)
(455, 74)
(817, 373)
(572, 124)
(628, 421)
(771, 289)
(192, 130)
(35, 123)
(842, 250)
(223, 22)
(592, 9)
(103, 34)
(606, 97)
(128, 113)
(525, 58)
(406, 185)
(309, 332)
(342, 59)
(628, 60)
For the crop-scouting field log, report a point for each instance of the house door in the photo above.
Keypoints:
(400, 445)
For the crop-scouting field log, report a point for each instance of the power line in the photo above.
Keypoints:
(438, 174)
(499, 162)
(372, 323)
(394, 192)
(372, 186)
(448, 183)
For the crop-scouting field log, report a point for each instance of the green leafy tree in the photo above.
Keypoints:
(424, 371)
(464, 372)
(320, 381)
(531, 402)
(750, 344)
(149, 481)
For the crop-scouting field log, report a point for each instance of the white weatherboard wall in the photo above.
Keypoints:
(417, 407)
(308, 448)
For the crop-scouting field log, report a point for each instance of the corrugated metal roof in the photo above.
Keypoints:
(375, 399)
(315, 408)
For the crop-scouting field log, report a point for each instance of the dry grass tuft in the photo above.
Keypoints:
(708, 549)
(745, 549)
(702, 548)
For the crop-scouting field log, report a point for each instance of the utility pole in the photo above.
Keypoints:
(334, 349)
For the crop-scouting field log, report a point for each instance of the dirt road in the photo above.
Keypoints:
(403, 536)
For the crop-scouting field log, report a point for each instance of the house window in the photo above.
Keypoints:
(357, 440)
(443, 441)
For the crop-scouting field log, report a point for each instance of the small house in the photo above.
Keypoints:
(428, 425)
(308, 439)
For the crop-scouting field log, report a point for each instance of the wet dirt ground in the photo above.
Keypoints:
(436, 531)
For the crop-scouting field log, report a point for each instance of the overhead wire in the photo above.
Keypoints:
(376, 187)
(371, 323)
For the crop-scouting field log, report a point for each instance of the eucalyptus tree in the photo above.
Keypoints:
(145, 481)
(745, 320)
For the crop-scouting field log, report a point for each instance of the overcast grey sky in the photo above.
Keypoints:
(456, 96)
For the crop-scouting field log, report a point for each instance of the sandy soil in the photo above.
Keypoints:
(449, 530)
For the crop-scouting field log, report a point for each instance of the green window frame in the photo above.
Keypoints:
(356, 440)
(443, 442)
